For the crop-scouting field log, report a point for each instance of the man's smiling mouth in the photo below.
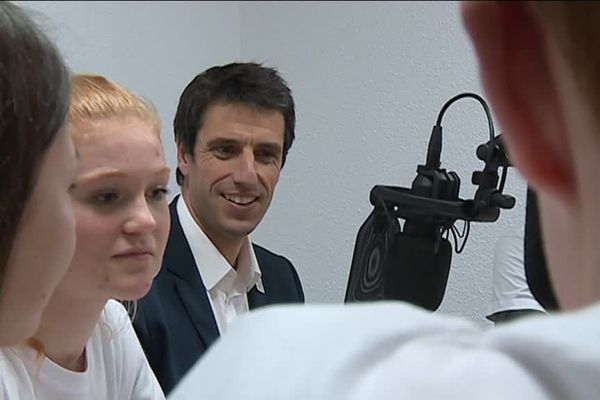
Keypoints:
(239, 200)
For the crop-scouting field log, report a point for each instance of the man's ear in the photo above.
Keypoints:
(516, 72)
(183, 159)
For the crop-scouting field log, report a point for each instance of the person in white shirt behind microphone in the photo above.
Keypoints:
(511, 297)
(539, 64)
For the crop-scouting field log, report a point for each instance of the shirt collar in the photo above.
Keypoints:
(212, 266)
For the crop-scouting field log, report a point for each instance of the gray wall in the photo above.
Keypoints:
(368, 79)
(152, 48)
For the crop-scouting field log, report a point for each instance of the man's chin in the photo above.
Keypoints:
(240, 230)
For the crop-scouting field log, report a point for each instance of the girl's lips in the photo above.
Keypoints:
(135, 253)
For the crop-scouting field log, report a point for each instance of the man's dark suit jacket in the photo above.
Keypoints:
(175, 323)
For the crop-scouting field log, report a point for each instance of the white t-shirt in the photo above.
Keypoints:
(392, 350)
(509, 283)
(117, 368)
(8, 388)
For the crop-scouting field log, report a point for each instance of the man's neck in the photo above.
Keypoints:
(229, 249)
(66, 327)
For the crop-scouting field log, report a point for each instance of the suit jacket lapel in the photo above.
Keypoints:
(189, 286)
(255, 298)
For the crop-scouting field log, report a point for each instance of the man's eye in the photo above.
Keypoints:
(224, 151)
(266, 156)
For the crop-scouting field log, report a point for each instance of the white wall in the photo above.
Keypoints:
(152, 48)
(368, 79)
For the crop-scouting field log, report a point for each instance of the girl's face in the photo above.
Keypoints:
(121, 211)
(43, 245)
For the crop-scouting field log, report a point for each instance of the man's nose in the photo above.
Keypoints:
(245, 169)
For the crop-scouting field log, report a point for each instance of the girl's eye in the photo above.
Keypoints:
(106, 198)
(158, 194)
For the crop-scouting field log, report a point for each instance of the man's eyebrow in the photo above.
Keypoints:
(276, 147)
(222, 141)
(272, 146)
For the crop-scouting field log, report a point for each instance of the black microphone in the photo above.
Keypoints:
(393, 265)
(417, 270)
(412, 262)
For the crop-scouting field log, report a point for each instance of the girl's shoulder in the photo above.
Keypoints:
(115, 314)
(15, 382)
(113, 324)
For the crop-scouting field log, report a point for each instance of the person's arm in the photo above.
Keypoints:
(144, 324)
(146, 386)
(511, 297)
(512, 315)
(536, 266)
(138, 379)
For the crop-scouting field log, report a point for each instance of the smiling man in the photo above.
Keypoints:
(233, 127)
(539, 64)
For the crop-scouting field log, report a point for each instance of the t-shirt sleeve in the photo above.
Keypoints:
(146, 386)
(138, 380)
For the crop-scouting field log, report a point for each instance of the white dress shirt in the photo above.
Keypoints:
(226, 287)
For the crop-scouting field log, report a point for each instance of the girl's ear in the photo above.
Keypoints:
(517, 76)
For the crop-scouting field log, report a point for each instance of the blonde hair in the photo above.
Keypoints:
(95, 98)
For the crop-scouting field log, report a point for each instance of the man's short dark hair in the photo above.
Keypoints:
(250, 84)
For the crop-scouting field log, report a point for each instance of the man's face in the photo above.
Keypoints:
(231, 176)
